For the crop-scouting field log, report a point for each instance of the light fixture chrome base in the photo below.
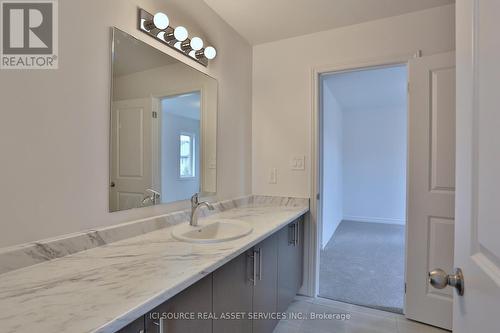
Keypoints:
(144, 16)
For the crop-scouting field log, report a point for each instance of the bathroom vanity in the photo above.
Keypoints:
(138, 270)
(262, 281)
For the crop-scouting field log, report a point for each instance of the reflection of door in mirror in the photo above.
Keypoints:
(179, 146)
(131, 147)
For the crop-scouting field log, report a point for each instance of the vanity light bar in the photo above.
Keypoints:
(158, 27)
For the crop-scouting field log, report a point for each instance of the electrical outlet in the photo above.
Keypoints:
(298, 162)
(273, 176)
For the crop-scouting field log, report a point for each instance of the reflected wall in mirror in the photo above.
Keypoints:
(163, 127)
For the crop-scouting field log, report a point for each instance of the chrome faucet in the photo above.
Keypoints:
(195, 204)
(154, 197)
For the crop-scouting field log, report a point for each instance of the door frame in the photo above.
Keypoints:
(314, 231)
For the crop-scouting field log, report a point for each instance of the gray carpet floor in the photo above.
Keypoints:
(363, 264)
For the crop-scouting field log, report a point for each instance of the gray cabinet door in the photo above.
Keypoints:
(300, 251)
(135, 327)
(265, 289)
(197, 300)
(287, 266)
(290, 262)
(232, 293)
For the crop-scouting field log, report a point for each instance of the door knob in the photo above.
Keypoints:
(439, 280)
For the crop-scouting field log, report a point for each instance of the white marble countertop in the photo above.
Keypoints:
(104, 288)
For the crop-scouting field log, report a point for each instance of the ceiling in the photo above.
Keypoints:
(370, 89)
(261, 21)
(132, 55)
(185, 105)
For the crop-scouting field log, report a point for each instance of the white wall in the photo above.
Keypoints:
(332, 210)
(374, 164)
(55, 123)
(282, 76)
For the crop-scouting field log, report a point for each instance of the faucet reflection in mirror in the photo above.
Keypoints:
(158, 27)
(152, 199)
(163, 127)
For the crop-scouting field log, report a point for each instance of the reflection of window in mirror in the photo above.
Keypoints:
(186, 155)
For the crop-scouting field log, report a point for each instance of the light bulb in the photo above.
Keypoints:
(192, 54)
(143, 27)
(178, 45)
(180, 33)
(161, 21)
(210, 52)
(196, 43)
(161, 35)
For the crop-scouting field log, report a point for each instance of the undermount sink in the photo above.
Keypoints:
(212, 231)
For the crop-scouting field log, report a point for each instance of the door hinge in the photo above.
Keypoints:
(155, 114)
(317, 196)
(405, 287)
(408, 87)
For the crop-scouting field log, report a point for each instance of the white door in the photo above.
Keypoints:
(431, 186)
(477, 231)
(131, 170)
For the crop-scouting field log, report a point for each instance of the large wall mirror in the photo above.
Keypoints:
(163, 127)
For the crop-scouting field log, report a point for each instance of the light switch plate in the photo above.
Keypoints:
(298, 162)
(273, 176)
(212, 164)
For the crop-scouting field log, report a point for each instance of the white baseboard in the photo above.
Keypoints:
(375, 219)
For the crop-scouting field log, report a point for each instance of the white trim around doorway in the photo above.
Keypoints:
(313, 232)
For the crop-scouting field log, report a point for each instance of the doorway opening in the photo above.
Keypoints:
(180, 117)
(363, 154)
